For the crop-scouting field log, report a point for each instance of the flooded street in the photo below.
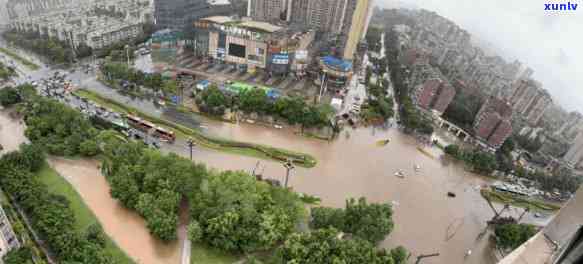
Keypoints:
(11, 132)
(126, 228)
(426, 220)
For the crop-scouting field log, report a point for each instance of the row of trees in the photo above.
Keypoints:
(511, 236)
(324, 246)
(294, 110)
(482, 162)
(50, 215)
(114, 72)
(379, 106)
(9, 96)
(365, 224)
(409, 115)
(370, 222)
(6, 72)
(149, 182)
(59, 129)
(54, 50)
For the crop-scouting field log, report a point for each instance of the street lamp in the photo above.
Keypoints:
(289, 166)
(191, 144)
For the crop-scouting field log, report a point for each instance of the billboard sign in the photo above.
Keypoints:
(280, 59)
(301, 54)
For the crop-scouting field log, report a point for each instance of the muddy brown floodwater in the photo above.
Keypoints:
(426, 220)
(126, 228)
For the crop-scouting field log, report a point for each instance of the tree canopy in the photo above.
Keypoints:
(325, 246)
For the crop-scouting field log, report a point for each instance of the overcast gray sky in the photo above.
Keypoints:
(550, 43)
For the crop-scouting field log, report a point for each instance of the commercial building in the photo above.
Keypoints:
(575, 154)
(492, 123)
(180, 14)
(430, 89)
(253, 45)
(8, 240)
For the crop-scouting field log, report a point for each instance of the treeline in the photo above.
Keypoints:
(379, 106)
(366, 224)
(118, 73)
(6, 72)
(231, 210)
(562, 180)
(409, 115)
(59, 129)
(59, 52)
(55, 51)
(294, 110)
(50, 215)
(511, 236)
(481, 162)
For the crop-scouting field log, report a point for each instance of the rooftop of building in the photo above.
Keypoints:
(248, 24)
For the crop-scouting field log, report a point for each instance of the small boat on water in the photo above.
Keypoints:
(384, 142)
(417, 167)
(400, 174)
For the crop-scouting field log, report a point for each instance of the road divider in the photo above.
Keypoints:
(219, 144)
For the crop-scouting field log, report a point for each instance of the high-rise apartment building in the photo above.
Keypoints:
(269, 10)
(492, 123)
(180, 14)
(430, 89)
(575, 154)
(529, 100)
(572, 126)
(537, 108)
(355, 18)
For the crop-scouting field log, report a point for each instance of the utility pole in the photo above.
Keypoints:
(289, 166)
(425, 256)
(191, 144)
(127, 48)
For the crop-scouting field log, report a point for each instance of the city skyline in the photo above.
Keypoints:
(543, 37)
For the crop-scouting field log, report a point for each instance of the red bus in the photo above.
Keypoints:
(150, 128)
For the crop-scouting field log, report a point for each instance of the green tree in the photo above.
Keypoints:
(9, 96)
(254, 100)
(371, 222)
(325, 217)
(511, 236)
(195, 231)
(324, 246)
(453, 150)
(22, 255)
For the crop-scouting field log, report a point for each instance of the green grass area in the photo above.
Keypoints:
(248, 149)
(202, 254)
(83, 215)
(22, 60)
(514, 200)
